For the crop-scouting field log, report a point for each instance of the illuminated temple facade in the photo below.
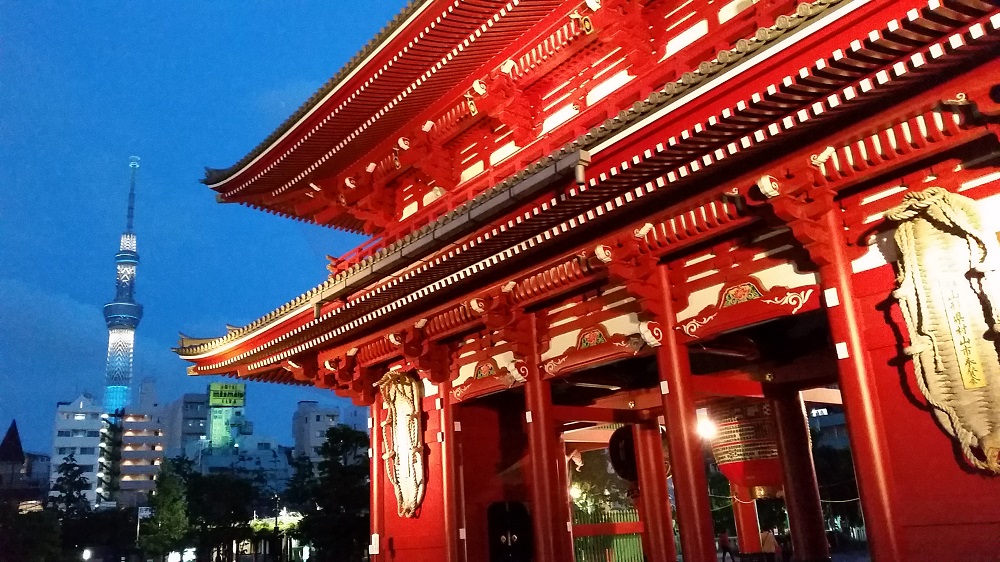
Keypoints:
(586, 216)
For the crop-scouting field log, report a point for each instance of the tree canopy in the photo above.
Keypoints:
(335, 518)
(70, 487)
(168, 527)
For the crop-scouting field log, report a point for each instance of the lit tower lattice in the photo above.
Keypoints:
(123, 314)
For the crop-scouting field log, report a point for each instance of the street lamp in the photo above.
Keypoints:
(277, 530)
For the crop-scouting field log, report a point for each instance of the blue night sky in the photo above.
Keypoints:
(182, 84)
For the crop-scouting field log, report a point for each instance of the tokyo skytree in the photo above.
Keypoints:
(122, 315)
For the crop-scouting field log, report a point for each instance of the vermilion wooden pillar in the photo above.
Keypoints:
(657, 520)
(550, 501)
(805, 513)
(745, 514)
(449, 475)
(375, 439)
(868, 442)
(687, 460)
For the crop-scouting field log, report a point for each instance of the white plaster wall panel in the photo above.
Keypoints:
(430, 389)
(503, 152)
(467, 371)
(785, 275)
(559, 117)
(472, 171)
(562, 321)
(733, 9)
(559, 344)
(685, 38)
(409, 210)
(700, 299)
(627, 324)
(604, 89)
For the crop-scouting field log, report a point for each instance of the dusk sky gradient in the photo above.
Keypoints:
(183, 85)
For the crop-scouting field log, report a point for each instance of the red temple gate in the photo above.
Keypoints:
(596, 213)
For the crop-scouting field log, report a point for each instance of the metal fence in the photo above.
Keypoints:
(607, 548)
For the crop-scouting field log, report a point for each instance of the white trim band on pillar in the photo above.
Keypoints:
(527, 416)
(842, 352)
(832, 297)
(461, 533)
(664, 387)
(458, 426)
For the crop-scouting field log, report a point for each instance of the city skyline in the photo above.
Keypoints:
(98, 84)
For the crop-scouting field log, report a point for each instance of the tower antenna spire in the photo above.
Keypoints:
(122, 314)
(133, 164)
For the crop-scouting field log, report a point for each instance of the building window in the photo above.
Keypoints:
(88, 450)
(65, 433)
(331, 418)
(66, 450)
(93, 434)
(319, 417)
(317, 450)
(263, 446)
(87, 467)
(79, 416)
(817, 412)
(320, 433)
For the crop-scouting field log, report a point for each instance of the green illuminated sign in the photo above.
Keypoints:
(227, 395)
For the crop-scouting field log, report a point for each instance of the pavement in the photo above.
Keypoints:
(855, 556)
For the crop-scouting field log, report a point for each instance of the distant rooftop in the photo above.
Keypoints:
(10, 448)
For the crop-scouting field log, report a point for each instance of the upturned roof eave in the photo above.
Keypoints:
(216, 177)
(608, 131)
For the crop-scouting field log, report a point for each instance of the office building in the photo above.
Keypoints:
(77, 432)
(311, 421)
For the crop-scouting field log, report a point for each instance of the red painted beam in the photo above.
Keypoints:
(654, 504)
(599, 415)
(686, 456)
(603, 529)
(550, 501)
(726, 385)
(805, 512)
(869, 444)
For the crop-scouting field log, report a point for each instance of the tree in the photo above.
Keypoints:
(29, 537)
(220, 507)
(166, 530)
(69, 499)
(837, 485)
(300, 493)
(337, 523)
(112, 531)
(721, 501)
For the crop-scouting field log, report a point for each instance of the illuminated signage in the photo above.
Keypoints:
(227, 395)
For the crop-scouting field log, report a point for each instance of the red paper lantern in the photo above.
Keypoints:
(745, 444)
